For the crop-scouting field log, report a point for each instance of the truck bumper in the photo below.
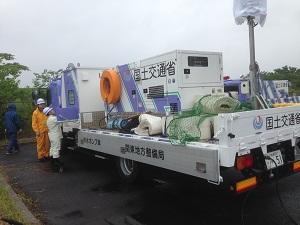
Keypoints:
(262, 177)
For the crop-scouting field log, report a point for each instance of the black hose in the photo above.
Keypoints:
(244, 202)
(10, 221)
(278, 194)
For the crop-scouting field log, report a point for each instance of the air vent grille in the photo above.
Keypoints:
(156, 92)
(173, 108)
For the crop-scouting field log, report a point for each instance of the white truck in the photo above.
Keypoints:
(97, 104)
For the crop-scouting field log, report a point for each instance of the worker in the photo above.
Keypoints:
(39, 126)
(55, 136)
(12, 125)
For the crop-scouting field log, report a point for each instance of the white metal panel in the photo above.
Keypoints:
(245, 87)
(196, 161)
(200, 71)
(256, 129)
(159, 58)
(89, 89)
(262, 121)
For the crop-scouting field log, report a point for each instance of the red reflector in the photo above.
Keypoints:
(248, 160)
(246, 184)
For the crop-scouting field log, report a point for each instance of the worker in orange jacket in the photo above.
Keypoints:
(39, 126)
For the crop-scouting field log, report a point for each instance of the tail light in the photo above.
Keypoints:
(245, 161)
(296, 166)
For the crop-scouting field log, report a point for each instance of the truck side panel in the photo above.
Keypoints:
(196, 161)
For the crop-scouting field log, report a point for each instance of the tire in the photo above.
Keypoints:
(129, 170)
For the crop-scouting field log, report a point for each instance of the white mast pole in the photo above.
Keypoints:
(253, 65)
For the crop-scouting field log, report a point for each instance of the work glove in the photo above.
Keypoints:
(5, 130)
(37, 134)
(20, 130)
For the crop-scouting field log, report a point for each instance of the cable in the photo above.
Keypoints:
(277, 190)
(244, 202)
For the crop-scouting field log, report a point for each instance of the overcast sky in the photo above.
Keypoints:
(49, 34)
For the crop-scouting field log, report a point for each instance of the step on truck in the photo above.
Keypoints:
(170, 111)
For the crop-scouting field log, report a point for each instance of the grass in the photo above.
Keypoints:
(4, 142)
(8, 208)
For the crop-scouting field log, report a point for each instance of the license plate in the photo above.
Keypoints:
(276, 156)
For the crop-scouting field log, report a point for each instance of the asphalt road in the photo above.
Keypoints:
(89, 191)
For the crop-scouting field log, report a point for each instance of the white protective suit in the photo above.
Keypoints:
(55, 135)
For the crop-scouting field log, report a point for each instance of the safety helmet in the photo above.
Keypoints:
(40, 101)
(47, 110)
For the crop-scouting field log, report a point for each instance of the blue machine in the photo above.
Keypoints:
(274, 91)
(242, 87)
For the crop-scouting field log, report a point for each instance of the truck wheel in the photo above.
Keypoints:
(129, 170)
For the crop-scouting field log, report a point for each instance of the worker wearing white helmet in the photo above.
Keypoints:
(55, 136)
(39, 126)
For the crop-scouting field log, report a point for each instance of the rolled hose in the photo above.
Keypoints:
(110, 86)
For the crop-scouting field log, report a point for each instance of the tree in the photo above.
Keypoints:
(10, 92)
(43, 80)
(9, 74)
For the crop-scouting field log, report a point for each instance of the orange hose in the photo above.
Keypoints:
(110, 86)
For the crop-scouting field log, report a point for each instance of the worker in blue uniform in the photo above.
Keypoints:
(12, 125)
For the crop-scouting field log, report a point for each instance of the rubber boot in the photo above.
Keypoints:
(51, 160)
(56, 165)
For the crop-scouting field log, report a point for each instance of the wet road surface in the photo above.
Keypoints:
(89, 191)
